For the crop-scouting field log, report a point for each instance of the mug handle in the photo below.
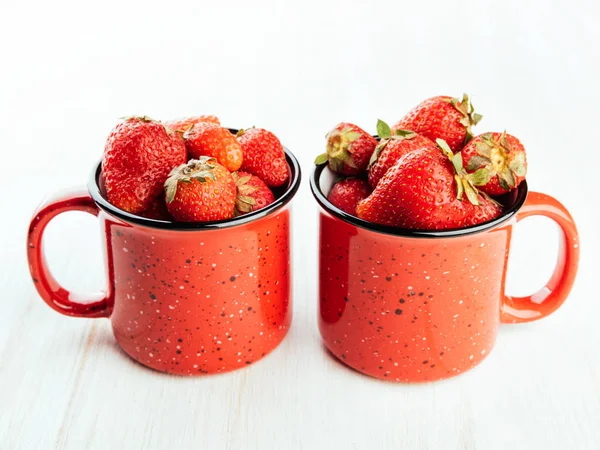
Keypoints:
(57, 297)
(550, 297)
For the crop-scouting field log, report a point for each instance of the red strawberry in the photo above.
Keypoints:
(138, 156)
(349, 149)
(346, 194)
(487, 209)
(263, 156)
(424, 191)
(252, 193)
(157, 209)
(207, 139)
(391, 148)
(497, 162)
(200, 191)
(444, 118)
(182, 125)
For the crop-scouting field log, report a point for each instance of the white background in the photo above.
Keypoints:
(68, 70)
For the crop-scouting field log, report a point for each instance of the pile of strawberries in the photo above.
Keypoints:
(190, 170)
(427, 172)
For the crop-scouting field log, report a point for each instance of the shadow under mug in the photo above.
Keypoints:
(183, 298)
(412, 306)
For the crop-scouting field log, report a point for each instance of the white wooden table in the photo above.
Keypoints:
(69, 69)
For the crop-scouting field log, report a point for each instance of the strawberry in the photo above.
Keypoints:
(346, 194)
(157, 209)
(182, 125)
(487, 209)
(263, 156)
(496, 161)
(207, 139)
(424, 190)
(200, 191)
(444, 118)
(348, 150)
(252, 193)
(391, 148)
(138, 156)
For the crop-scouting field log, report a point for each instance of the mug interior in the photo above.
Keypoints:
(322, 180)
(283, 195)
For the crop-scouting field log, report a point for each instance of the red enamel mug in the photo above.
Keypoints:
(182, 298)
(412, 306)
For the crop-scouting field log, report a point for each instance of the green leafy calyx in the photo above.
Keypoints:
(142, 118)
(383, 129)
(147, 119)
(244, 201)
(339, 148)
(385, 136)
(496, 157)
(200, 169)
(470, 117)
(464, 185)
(321, 159)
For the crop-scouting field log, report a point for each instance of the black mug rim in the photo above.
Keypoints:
(508, 214)
(284, 199)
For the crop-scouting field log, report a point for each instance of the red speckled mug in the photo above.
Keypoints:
(413, 306)
(182, 298)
